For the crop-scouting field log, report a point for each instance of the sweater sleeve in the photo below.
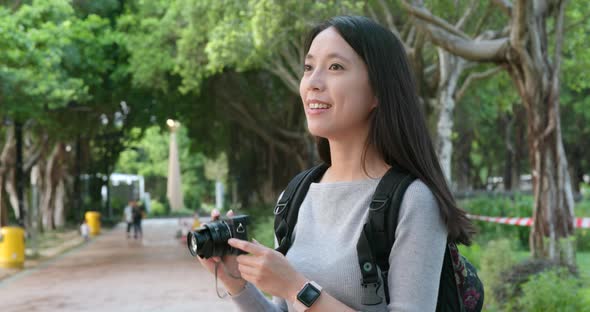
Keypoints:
(417, 254)
(252, 299)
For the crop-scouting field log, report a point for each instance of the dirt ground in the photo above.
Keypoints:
(113, 273)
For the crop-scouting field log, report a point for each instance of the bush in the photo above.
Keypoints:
(512, 280)
(472, 253)
(552, 290)
(497, 258)
(516, 206)
(157, 209)
(582, 210)
(261, 223)
(263, 231)
(585, 190)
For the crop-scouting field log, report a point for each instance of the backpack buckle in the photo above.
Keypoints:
(378, 201)
(370, 294)
(279, 208)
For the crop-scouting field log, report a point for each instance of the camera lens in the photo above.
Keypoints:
(210, 240)
(200, 243)
(193, 247)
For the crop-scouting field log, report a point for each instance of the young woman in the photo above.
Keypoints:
(361, 103)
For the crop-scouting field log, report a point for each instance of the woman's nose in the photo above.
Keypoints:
(316, 81)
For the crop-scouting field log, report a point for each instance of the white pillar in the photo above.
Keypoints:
(218, 195)
(174, 186)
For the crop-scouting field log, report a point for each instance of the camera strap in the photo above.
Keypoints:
(221, 296)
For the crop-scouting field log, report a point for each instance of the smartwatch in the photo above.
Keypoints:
(309, 293)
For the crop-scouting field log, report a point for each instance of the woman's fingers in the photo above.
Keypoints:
(252, 248)
(215, 215)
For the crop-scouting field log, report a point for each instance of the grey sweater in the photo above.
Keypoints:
(324, 250)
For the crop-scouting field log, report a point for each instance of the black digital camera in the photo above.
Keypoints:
(210, 240)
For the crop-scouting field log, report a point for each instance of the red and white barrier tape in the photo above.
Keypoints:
(581, 223)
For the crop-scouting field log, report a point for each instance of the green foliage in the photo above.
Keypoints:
(199, 39)
(263, 231)
(585, 191)
(582, 210)
(32, 45)
(261, 223)
(149, 157)
(497, 206)
(576, 48)
(496, 259)
(554, 290)
(216, 169)
(484, 113)
(472, 253)
(157, 209)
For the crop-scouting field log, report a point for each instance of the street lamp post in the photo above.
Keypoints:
(174, 185)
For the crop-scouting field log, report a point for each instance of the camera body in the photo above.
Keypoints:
(210, 240)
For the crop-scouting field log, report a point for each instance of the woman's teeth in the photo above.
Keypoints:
(319, 106)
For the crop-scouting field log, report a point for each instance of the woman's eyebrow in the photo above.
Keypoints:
(330, 56)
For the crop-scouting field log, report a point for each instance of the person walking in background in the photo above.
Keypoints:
(128, 214)
(137, 216)
(85, 230)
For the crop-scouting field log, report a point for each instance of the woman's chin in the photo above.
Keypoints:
(318, 132)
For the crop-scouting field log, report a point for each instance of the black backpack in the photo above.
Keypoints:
(460, 288)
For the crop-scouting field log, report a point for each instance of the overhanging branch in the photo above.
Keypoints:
(493, 50)
(456, 42)
(473, 77)
(426, 16)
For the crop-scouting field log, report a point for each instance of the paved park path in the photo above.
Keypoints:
(113, 273)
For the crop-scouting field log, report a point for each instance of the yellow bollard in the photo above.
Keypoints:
(196, 223)
(12, 247)
(93, 221)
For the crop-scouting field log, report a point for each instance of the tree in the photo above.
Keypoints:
(32, 80)
(148, 156)
(524, 48)
(229, 59)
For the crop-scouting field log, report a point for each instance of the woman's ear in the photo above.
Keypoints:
(375, 102)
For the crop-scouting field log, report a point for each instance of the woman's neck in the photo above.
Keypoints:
(347, 162)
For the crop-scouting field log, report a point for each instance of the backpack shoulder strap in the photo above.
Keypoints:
(287, 209)
(378, 234)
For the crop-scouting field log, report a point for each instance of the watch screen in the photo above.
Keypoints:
(308, 295)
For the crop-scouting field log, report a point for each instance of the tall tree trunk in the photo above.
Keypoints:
(19, 175)
(48, 189)
(6, 162)
(59, 216)
(554, 206)
(10, 186)
(537, 79)
(450, 68)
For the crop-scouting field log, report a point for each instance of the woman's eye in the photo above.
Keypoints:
(336, 67)
(306, 67)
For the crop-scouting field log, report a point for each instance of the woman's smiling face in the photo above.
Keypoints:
(335, 89)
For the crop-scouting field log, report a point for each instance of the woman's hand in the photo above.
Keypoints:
(227, 271)
(268, 270)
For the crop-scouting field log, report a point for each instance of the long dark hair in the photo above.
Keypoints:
(398, 127)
